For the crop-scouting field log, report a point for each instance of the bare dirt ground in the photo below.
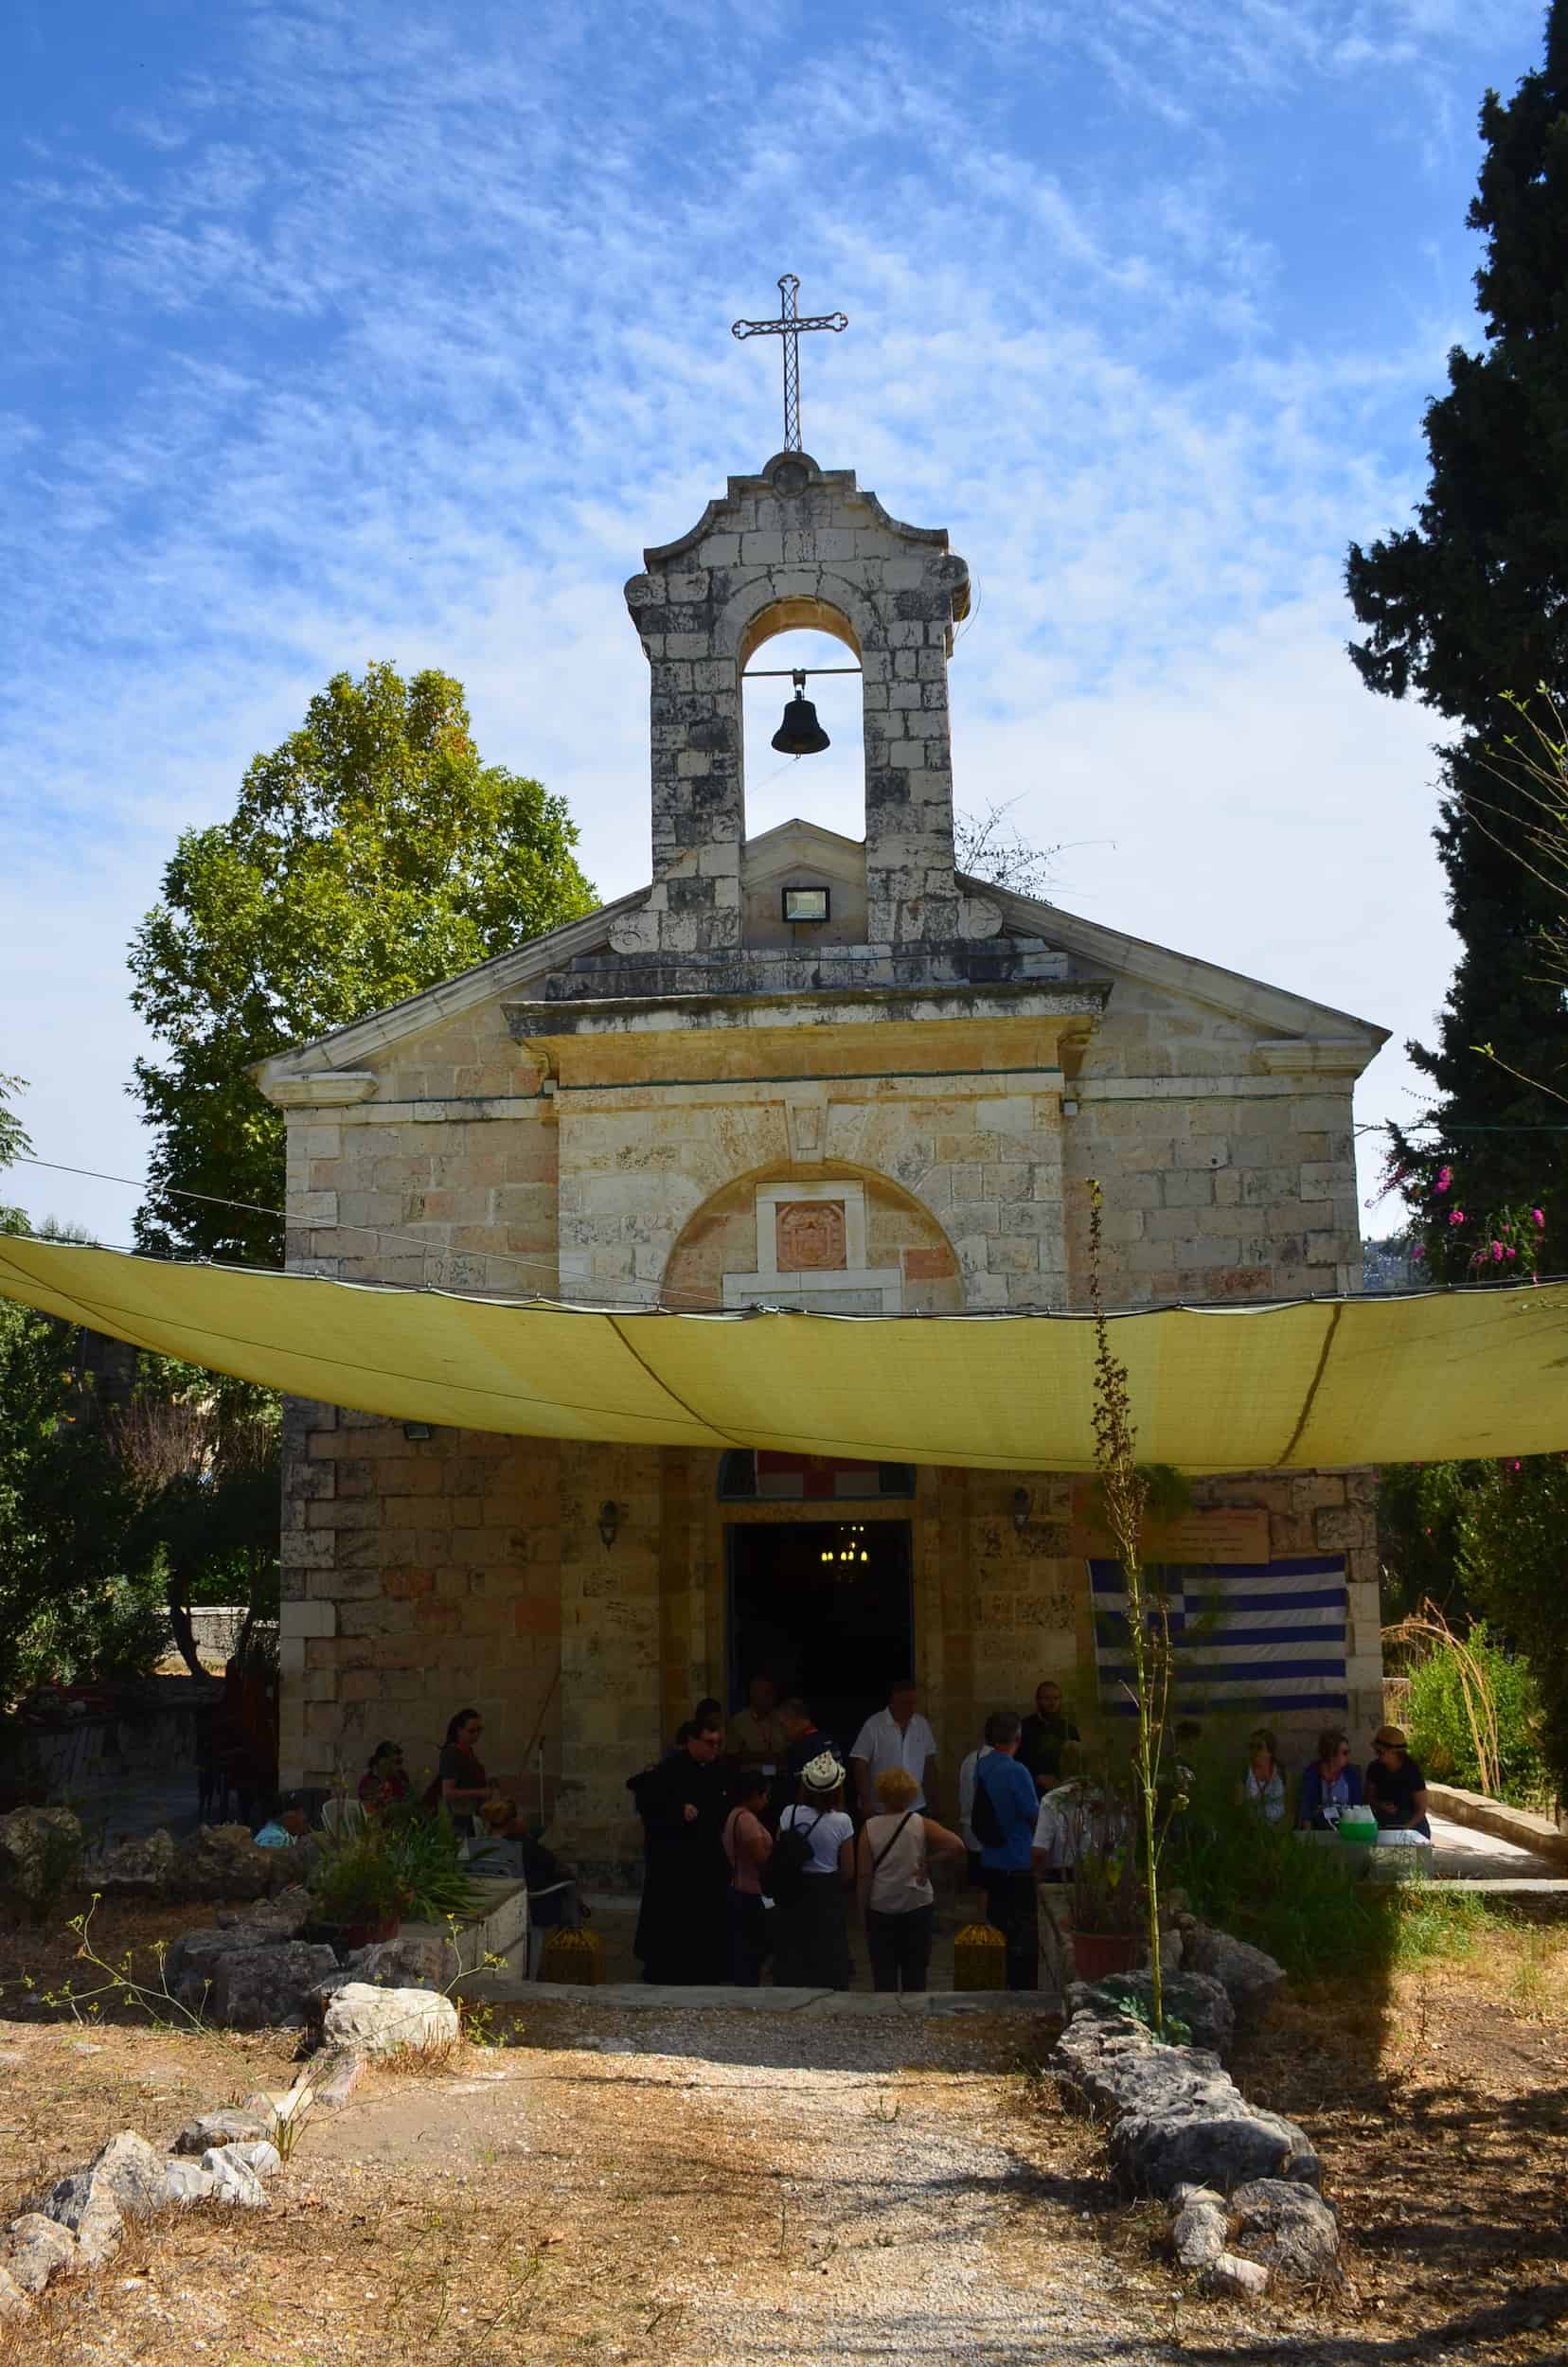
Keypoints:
(749, 2188)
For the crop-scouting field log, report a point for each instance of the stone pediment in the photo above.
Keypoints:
(1037, 941)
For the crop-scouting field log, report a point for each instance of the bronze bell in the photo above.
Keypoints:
(800, 734)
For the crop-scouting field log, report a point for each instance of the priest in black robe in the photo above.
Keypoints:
(682, 1936)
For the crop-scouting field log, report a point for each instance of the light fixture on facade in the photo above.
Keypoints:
(609, 1522)
(810, 905)
(1023, 1505)
(417, 1431)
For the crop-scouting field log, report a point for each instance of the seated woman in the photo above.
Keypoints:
(892, 1881)
(1396, 1788)
(1328, 1785)
(384, 1783)
(811, 1937)
(1263, 1785)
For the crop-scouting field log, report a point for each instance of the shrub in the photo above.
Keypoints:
(358, 1883)
(1441, 1732)
(424, 1848)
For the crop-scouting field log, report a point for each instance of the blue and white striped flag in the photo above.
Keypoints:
(1247, 1636)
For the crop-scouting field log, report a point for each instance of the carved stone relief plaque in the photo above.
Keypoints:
(811, 1236)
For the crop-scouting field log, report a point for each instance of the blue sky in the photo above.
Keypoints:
(338, 333)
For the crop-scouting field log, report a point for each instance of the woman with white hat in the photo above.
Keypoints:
(810, 1876)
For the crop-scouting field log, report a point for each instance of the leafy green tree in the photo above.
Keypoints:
(199, 1454)
(1469, 606)
(13, 1134)
(1511, 1564)
(72, 1600)
(371, 856)
(1483, 1542)
(1421, 1513)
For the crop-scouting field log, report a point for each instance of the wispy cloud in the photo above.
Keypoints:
(368, 332)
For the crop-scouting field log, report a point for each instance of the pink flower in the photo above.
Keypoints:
(1457, 1215)
(1513, 1253)
(1416, 1256)
(1539, 1219)
(1497, 1252)
(1445, 1177)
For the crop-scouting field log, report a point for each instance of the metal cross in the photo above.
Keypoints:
(788, 326)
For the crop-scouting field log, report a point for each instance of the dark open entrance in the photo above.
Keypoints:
(825, 1609)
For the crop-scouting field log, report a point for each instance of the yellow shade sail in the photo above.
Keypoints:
(1318, 1383)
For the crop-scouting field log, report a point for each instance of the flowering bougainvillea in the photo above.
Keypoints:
(1456, 1242)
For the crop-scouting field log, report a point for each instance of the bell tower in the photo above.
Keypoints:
(799, 546)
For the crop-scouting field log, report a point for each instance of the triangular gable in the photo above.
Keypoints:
(1348, 1042)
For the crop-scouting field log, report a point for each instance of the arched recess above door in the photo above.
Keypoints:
(831, 1239)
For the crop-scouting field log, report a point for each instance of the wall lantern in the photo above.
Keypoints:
(417, 1431)
(609, 1522)
(810, 904)
(1022, 1505)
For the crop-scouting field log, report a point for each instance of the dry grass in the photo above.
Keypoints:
(552, 2205)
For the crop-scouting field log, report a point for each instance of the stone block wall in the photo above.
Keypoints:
(1223, 1178)
(419, 1578)
(966, 1177)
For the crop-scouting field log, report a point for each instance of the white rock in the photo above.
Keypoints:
(13, 2301)
(186, 2181)
(1199, 2231)
(38, 2248)
(134, 2173)
(85, 2204)
(1233, 2278)
(258, 2153)
(234, 2181)
(383, 2022)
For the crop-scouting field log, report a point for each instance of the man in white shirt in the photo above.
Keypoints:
(896, 1737)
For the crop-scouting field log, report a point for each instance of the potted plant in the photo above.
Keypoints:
(360, 1892)
(1108, 1909)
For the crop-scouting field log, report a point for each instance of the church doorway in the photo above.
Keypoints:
(825, 1608)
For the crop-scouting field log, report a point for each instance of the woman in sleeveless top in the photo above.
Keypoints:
(893, 1880)
(748, 1845)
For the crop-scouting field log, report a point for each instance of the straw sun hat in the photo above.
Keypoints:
(823, 1774)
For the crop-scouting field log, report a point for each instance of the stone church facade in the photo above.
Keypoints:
(698, 1098)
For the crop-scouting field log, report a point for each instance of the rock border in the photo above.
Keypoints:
(1240, 2184)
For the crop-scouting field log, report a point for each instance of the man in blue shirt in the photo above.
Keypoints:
(1006, 1807)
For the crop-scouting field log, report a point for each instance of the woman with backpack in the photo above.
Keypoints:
(809, 1877)
(893, 1880)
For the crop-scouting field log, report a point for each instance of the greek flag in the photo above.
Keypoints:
(1248, 1637)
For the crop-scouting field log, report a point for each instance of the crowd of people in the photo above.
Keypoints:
(762, 1836)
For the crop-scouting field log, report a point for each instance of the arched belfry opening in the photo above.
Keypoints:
(827, 785)
(799, 549)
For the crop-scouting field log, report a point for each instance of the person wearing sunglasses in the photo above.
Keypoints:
(1329, 1783)
(1396, 1786)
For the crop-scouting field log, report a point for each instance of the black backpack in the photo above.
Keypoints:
(784, 1875)
(983, 1816)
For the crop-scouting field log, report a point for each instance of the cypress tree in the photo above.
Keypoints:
(1466, 610)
